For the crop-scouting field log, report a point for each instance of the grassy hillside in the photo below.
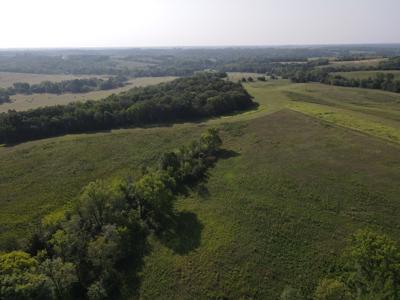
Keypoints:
(276, 211)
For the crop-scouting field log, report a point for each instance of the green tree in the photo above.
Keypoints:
(332, 289)
(210, 141)
(20, 277)
(373, 266)
(60, 276)
(154, 193)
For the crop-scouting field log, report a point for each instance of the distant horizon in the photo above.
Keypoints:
(62, 24)
(202, 46)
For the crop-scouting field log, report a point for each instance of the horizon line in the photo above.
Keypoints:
(199, 46)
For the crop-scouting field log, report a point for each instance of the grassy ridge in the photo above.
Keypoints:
(274, 212)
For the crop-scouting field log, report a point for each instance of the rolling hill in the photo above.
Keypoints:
(306, 169)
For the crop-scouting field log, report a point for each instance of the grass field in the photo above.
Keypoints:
(25, 102)
(307, 169)
(372, 62)
(366, 74)
(8, 78)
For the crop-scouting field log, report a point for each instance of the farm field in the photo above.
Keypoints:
(25, 102)
(309, 167)
(364, 62)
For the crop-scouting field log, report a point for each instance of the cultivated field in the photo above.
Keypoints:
(305, 170)
(25, 102)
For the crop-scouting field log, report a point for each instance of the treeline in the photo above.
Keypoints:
(67, 86)
(203, 95)
(380, 81)
(88, 251)
(392, 63)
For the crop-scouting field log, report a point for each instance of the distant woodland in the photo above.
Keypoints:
(203, 95)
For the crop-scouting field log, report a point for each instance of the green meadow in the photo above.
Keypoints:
(306, 169)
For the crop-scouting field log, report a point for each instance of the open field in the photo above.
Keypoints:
(25, 102)
(366, 74)
(8, 78)
(276, 212)
(364, 62)
(333, 63)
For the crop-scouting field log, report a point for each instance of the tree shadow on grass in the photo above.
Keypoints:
(226, 154)
(183, 233)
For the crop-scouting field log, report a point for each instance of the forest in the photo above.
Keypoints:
(67, 86)
(192, 98)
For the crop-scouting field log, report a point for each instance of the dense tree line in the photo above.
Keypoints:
(68, 86)
(380, 81)
(87, 251)
(203, 95)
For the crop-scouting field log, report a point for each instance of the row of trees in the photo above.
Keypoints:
(68, 86)
(380, 81)
(87, 252)
(203, 95)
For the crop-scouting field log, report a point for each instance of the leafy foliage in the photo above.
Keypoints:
(370, 270)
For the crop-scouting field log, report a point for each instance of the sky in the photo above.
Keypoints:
(166, 23)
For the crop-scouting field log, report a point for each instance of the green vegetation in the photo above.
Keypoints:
(367, 74)
(67, 86)
(21, 102)
(270, 219)
(88, 249)
(370, 269)
(200, 96)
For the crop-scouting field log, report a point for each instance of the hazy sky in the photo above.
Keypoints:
(125, 23)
